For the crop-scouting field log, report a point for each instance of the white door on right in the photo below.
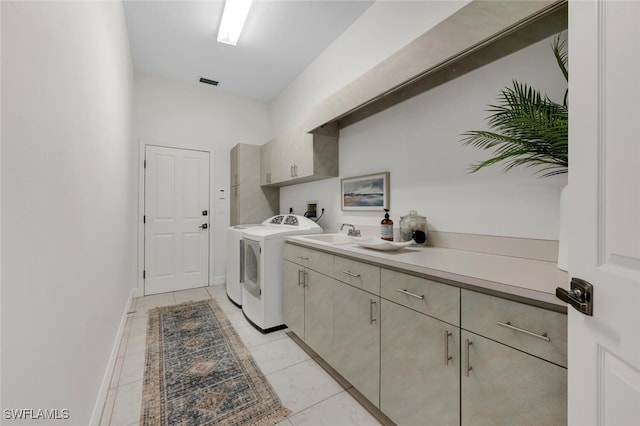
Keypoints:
(604, 182)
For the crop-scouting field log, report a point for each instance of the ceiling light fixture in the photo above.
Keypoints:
(233, 17)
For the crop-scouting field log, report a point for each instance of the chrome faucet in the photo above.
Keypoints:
(353, 232)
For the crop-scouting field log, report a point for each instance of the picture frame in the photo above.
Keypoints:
(365, 193)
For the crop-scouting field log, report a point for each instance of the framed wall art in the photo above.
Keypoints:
(365, 193)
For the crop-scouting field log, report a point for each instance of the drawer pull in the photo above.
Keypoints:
(410, 294)
(522, 330)
(302, 257)
(351, 274)
(300, 277)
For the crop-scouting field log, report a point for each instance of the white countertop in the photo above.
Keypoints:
(533, 280)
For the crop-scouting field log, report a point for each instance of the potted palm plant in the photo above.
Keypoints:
(527, 128)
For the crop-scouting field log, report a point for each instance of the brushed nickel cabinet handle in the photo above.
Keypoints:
(371, 318)
(300, 279)
(522, 330)
(467, 367)
(306, 279)
(351, 274)
(302, 257)
(421, 297)
(447, 357)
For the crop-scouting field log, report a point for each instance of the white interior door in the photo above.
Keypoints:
(176, 254)
(604, 183)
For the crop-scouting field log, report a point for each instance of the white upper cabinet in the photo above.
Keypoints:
(248, 201)
(297, 157)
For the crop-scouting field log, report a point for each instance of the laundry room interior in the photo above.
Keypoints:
(352, 212)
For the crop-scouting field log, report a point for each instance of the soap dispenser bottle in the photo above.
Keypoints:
(386, 227)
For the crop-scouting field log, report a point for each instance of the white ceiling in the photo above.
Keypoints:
(177, 40)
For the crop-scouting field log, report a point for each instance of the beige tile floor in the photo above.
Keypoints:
(312, 395)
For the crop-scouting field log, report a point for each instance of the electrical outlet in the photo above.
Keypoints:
(312, 209)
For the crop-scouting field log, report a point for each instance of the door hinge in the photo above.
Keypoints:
(144, 274)
(145, 164)
(144, 219)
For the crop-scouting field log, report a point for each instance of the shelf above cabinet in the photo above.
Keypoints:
(479, 33)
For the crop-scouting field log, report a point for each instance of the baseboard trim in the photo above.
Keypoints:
(220, 280)
(106, 380)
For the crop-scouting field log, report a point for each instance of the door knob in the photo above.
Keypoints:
(580, 296)
(203, 226)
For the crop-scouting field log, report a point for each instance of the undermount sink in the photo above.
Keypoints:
(330, 238)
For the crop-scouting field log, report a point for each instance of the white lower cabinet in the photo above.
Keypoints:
(356, 336)
(427, 353)
(293, 297)
(504, 386)
(419, 368)
(513, 362)
(319, 314)
(308, 307)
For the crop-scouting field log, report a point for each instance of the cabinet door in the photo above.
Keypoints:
(503, 386)
(419, 368)
(356, 334)
(293, 303)
(233, 181)
(234, 206)
(318, 332)
(267, 163)
(302, 156)
(233, 178)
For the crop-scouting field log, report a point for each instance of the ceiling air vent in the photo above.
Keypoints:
(207, 81)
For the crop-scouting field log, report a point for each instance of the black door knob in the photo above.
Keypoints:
(580, 296)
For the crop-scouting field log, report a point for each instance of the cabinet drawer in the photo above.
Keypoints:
(534, 330)
(504, 386)
(312, 259)
(358, 274)
(435, 299)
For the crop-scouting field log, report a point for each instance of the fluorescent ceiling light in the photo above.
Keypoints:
(233, 17)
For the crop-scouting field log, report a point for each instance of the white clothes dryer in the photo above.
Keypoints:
(235, 253)
(262, 289)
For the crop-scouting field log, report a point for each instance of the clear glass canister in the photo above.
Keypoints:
(413, 227)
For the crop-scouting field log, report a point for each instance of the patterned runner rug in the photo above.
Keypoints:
(198, 372)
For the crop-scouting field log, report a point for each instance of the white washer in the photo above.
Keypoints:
(262, 289)
(235, 253)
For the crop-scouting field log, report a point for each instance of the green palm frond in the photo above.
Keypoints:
(527, 129)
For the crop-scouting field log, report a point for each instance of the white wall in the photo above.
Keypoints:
(67, 200)
(200, 117)
(385, 27)
(418, 142)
